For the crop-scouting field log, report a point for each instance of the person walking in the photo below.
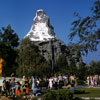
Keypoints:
(12, 84)
(3, 88)
(33, 82)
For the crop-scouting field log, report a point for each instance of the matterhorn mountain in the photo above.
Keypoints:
(42, 35)
(41, 29)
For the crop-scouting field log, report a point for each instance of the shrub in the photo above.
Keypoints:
(81, 82)
(43, 84)
(58, 95)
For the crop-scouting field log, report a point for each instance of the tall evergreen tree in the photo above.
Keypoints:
(8, 43)
(30, 60)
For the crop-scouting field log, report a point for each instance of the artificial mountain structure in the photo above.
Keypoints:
(43, 35)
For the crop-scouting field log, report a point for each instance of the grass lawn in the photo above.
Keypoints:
(87, 92)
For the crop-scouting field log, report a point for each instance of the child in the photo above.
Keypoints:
(17, 89)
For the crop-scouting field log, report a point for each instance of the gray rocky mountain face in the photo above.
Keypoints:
(53, 49)
(43, 36)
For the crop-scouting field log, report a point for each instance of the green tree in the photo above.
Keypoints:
(94, 68)
(87, 29)
(61, 65)
(97, 70)
(8, 43)
(30, 60)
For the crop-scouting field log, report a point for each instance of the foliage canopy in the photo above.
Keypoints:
(87, 29)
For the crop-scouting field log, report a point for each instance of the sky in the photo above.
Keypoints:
(20, 13)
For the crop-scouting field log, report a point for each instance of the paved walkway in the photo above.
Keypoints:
(89, 98)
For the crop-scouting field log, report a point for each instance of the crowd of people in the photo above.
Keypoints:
(93, 80)
(14, 88)
(57, 82)
(34, 85)
(11, 87)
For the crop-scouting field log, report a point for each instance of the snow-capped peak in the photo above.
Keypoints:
(41, 29)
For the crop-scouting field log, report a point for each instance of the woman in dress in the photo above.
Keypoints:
(50, 82)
